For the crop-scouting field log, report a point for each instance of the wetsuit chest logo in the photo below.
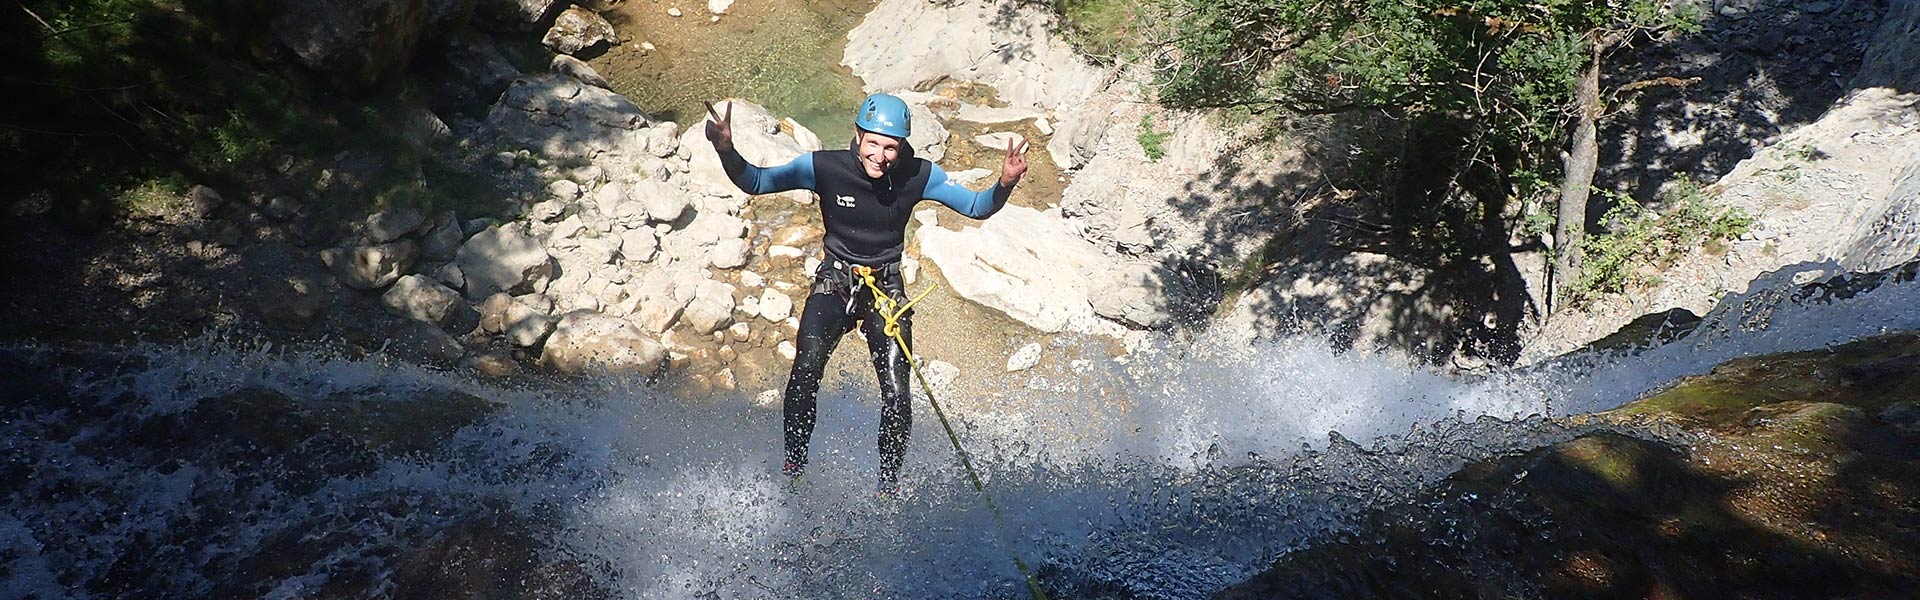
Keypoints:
(846, 201)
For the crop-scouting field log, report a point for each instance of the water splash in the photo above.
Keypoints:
(205, 470)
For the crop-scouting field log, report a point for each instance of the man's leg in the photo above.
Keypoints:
(822, 322)
(896, 394)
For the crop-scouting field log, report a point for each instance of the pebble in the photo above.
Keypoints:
(787, 350)
(1024, 358)
(674, 11)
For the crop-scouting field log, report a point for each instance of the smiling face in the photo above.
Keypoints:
(877, 152)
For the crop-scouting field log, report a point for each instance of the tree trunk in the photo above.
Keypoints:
(1580, 162)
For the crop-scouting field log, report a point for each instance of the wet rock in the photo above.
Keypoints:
(577, 30)
(797, 235)
(775, 306)
(988, 115)
(999, 141)
(586, 342)
(1024, 358)
(426, 341)
(291, 303)
(496, 364)
(371, 267)
(504, 259)
(969, 177)
(420, 298)
(941, 375)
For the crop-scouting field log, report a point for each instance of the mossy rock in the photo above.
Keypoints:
(1867, 374)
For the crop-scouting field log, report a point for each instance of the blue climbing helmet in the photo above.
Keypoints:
(885, 114)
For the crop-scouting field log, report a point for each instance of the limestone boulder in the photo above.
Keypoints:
(371, 267)
(639, 245)
(442, 240)
(579, 70)
(424, 130)
(1893, 58)
(711, 308)
(388, 225)
(1015, 47)
(444, 17)
(559, 117)
(761, 137)
(514, 15)
(355, 42)
(504, 259)
(589, 342)
(775, 306)
(664, 202)
(929, 136)
(579, 30)
(729, 253)
(420, 298)
(1022, 262)
(477, 70)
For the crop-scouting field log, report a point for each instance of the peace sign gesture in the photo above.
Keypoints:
(1015, 165)
(720, 128)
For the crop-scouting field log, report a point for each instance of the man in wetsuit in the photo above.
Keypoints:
(867, 193)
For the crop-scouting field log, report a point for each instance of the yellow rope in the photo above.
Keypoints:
(883, 305)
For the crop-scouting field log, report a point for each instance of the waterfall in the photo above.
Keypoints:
(219, 468)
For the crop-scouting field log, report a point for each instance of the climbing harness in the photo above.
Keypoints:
(883, 305)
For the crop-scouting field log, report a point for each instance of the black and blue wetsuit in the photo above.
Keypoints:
(866, 222)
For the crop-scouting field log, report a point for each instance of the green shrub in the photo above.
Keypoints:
(1105, 30)
(1638, 237)
(1152, 141)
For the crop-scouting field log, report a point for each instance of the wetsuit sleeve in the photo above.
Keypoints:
(979, 205)
(797, 174)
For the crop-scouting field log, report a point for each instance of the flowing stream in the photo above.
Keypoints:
(223, 469)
